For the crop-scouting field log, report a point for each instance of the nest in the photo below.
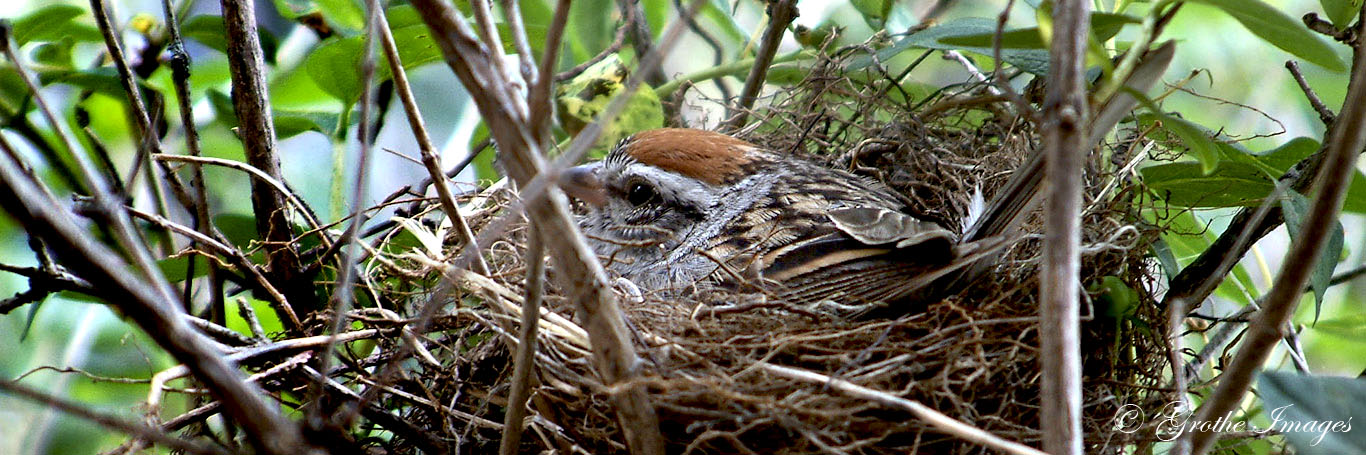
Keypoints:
(711, 374)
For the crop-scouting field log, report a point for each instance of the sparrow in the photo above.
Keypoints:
(674, 208)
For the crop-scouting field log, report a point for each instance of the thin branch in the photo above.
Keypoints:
(156, 435)
(257, 175)
(525, 362)
(943, 423)
(512, 14)
(1344, 142)
(251, 103)
(617, 41)
(138, 108)
(780, 15)
(1064, 147)
(180, 79)
(343, 294)
(538, 97)
(1326, 115)
(424, 141)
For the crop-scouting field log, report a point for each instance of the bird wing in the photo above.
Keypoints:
(881, 226)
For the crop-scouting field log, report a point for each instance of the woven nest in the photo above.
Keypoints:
(972, 356)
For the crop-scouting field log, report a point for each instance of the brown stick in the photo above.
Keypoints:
(256, 127)
(526, 348)
(424, 140)
(780, 15)
(1344, 142)
(1064, 143)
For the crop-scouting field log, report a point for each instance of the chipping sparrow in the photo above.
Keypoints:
(673, 207)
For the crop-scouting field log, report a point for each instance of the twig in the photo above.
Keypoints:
(258, 175)
(424, 140)
(538, 95)
(138, 108)
(1344, 142)
(780, 15)
(180, 79)
(512, 14)
(1348, 275)
(525, 361)
(1064, 147)
(156, 435)
(617, 41)
(251, 103)
(1326, 115)
(343, 294)
(943, 423)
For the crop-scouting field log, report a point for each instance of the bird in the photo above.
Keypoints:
(677, 208)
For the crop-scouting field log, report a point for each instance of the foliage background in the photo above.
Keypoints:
(65, 332)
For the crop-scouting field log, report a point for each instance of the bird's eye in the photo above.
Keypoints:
(640, 193)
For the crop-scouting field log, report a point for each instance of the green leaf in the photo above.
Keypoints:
(1185, 184)
(345, 14)
(1033, 61)
(176, 269)
(1294, 207)
(290, 123)
(1199, 142)
(240, 229)
(333, 66)
(1341, 12)
(1103, 25)
(265, 314)
(1242, 178)
(874, 12)
(721, 13)
(104, 80)
(1273, 26)
(1351, 326)
(292, 9)
(56, 55)
(1315, 412)
(581, 99)
(210, 31)
(52, 23)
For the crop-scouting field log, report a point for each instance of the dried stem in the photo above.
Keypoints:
(780, 15)
(424, 140)
(1326, 115)
(525, 361)
(1344, 142)
(180, 78)
(1064, 144)
(257, 129)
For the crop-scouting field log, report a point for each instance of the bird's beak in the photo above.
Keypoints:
(582, 183)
